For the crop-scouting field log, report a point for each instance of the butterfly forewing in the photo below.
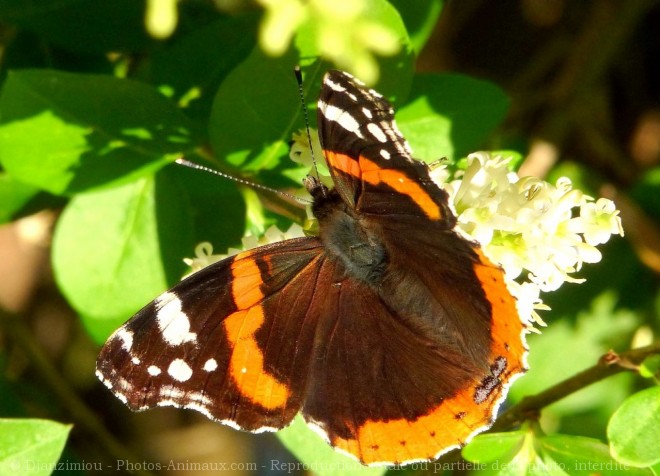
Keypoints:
(370, 161)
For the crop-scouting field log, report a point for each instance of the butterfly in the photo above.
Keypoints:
(390, 332)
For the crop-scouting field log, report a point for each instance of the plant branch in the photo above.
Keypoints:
(608, 365)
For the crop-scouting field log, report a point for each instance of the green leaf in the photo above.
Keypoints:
(576, 455)
(317, 455)
(115, 249)
(216, 206)
(14, 195)
(655, 469)
(513, 454)
(96, 25)
(66, 133)
(250, 126)
(650, 367)
(193, 70)
(420, 19)
(450, 115)
(634, 429)
(31, 447)
(526, 453)
(490, 447)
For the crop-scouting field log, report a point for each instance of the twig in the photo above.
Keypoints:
(608, 365)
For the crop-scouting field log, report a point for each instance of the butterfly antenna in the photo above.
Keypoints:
(299, 80)
(193, 165)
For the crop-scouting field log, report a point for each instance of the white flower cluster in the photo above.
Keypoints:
(528, 225)
(204, 251)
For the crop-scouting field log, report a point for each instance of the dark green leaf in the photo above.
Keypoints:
(450, 115)
(66, 133)
(217, 207)
(196, 64)
(634, 429)
(420, 19)
(31, 447)
(81, 25)
(26, 50)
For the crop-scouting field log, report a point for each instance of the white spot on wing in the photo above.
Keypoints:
(126, 338)
(172, 321)
(101, 377)
(153, 371)
(124, 384)
(135, 360)
(385, 154)
(367, 113)
(334, 86)
(210, 365)
(341, 117)
(375, 93)
(179, 370)
(377, 132)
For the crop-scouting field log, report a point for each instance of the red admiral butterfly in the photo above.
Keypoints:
(394, 336)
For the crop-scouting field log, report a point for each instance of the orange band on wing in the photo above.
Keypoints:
(506, 327)
(456, 419)
(245, 287)
(344, 163)
(373, 174)
(397, 441)
(246, 365)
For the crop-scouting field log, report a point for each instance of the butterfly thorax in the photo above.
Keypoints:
(346, 236)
